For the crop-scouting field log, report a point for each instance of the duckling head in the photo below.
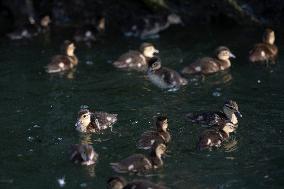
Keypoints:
(84, 119)
(224, 53)
(174, 19)
(231, 108)
(88, 154)
(159, 149)
(148, 50)
(45, 21)
(229, 127)
(69, 48)
(116, 183)
(154, 63)
(269, 36)
(162, 123)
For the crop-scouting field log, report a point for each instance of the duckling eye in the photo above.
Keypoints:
(84, 116)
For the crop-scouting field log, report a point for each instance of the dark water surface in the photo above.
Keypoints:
(38, 113)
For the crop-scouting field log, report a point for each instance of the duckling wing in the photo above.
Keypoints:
(58, 63)
(206, 65)
(263, 52)
(209, 138)
(103, 120)
(206, 118)
(134, 163)
(172, 78)
(131, 59)
(147, 139)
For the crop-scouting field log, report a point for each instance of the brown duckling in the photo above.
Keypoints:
(139, 162)
(136, 60)
(92, 122)
(210, 65)
(163, 77)
(230, 113)
(265, 51)
(148, 138)
(214, 137)
(121, 183)
(83, 154)
(64, 62)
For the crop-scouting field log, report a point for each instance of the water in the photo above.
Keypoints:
(38, 113)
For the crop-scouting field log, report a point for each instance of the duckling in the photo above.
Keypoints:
(214, 137)
(136, 60)
(152, 29)
(121, 183)
(230, 113)
(64, 62)
(148, 138)
(92, 122)
(83, 154)
(139, 162)
(266, 51)
(208, 65)
(163, 77)
(31, 29)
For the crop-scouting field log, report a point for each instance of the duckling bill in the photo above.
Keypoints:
(163, 77)
(148, 138)
(139, 162)
(230, 113)
(265, 52)
(121, 183)
(210, 65)
(66, 61)
(83, 154)
(136, 60)
(215, 137)
(92, 122)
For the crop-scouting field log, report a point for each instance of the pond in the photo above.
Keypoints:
(38, 113)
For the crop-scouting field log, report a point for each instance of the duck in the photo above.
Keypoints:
(137, 163)
(150, 27)
(216, 136)
(83, 154)
(163, 77)
(118, 182)
(230, 113)
(211, 65)
(265, 52)
(136, 60)
(63, 62)
(93, 121)
(148, 138)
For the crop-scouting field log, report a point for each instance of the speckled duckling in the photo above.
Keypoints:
(121, 183)
(139, 162)
(230, 113)
(67, 61)
(210, 65)
(148, 138)
(83, 154)
(265, 52)
(163, 77)
(136, 60)
(214, 137)
(92, 122)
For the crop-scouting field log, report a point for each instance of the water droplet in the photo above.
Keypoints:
(30, 138)
(61, 181)
(258, 81)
